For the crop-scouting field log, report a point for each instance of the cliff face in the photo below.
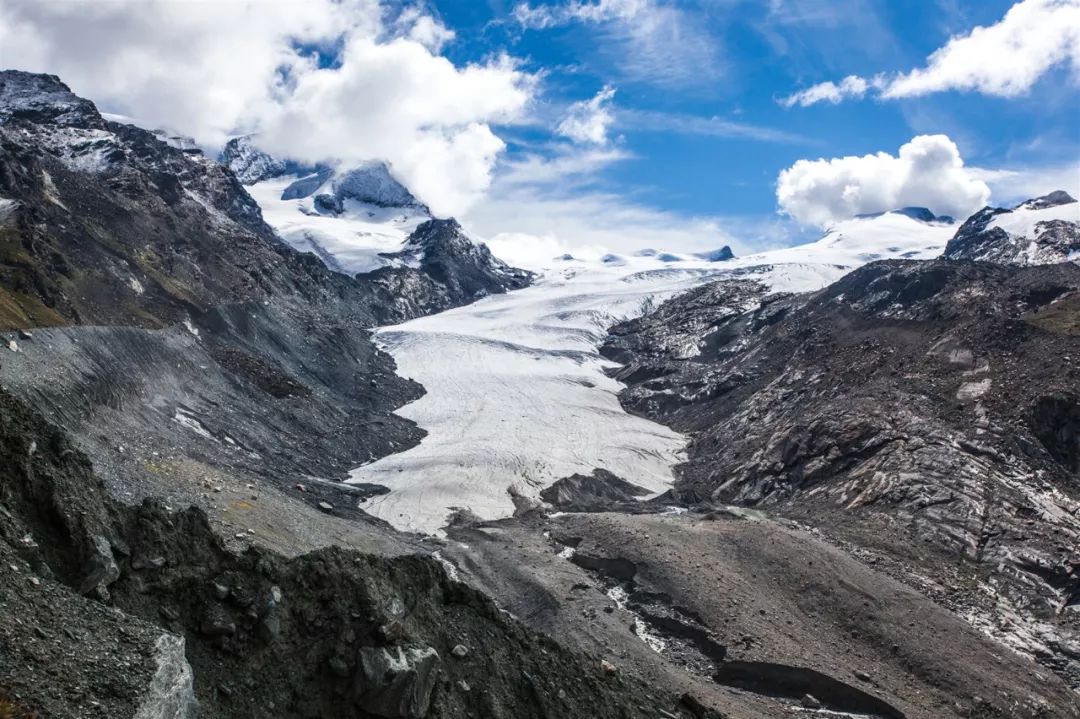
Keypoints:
(195, 629)
(185, 328)
(924, 412)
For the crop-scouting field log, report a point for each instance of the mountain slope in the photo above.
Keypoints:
(1037, 232)
(188, 336)
(922, 413)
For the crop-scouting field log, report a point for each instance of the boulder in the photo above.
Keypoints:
(101, 567)
(397, 681)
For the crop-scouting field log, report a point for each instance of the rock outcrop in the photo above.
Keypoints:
(249, 634)
(1041, 231)
(923, 413)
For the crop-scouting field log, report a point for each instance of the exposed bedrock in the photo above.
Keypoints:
(748, 616)
(922, 414)
(330, 633)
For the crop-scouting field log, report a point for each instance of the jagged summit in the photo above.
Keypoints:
(44, 99)
(249, 163)
(444, 252)
(330, 185)
(1040, 231)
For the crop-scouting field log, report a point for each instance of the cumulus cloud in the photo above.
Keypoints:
(588, 120)
(1004, 60)
(323, 79)
(927, 172)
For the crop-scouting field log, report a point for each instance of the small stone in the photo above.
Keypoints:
(35, 581)
(460, 651)
(13, 345)
(26, 335)
(607, 666)
(463, 685)
(338, 666)
(326, 506)
(169, 614)
(392, 632)
(810, 701)
(301, 488)
(861, 675)
(220, 590)
(275, 594)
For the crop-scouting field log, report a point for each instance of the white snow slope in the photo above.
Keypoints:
(350, 242)
(516, 392)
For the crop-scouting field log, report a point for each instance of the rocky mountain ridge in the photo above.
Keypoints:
(923, 414)
(1040, 231)
(368, 182)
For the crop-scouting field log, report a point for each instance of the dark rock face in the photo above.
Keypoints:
(1054, 199)
(601, 491)
(922, 214)
(373, 184)
(921, 412)
(722, 255)
(44, 98)
(265, 635)
(219, 341)
(251, 165)
(452, 270)
(1053, 239)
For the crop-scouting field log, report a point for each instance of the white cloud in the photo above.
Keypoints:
(549, 204)
(851, 86)
(927, 172)
(397, 101)
(645, 40)
(541, 17)
(588, 120)
(705, 126)
(420, 27)
(1011, 186)
(213, 69)
(1004, 60)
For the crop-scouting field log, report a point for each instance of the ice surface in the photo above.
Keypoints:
(516, 393)
(516, 390)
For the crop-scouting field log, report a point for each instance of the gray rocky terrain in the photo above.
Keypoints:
(921, 415)
(877, 517)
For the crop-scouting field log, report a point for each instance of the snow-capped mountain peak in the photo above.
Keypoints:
(249, 163)
(1040, 231)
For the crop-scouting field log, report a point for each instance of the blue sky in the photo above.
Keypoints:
(733, 62)
(606, 124)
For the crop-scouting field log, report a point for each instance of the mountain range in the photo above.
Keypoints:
(281, 443)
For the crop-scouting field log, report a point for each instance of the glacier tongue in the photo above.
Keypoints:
(517, 397)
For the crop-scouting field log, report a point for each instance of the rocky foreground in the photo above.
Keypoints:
(923, 416)
(876, 518)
